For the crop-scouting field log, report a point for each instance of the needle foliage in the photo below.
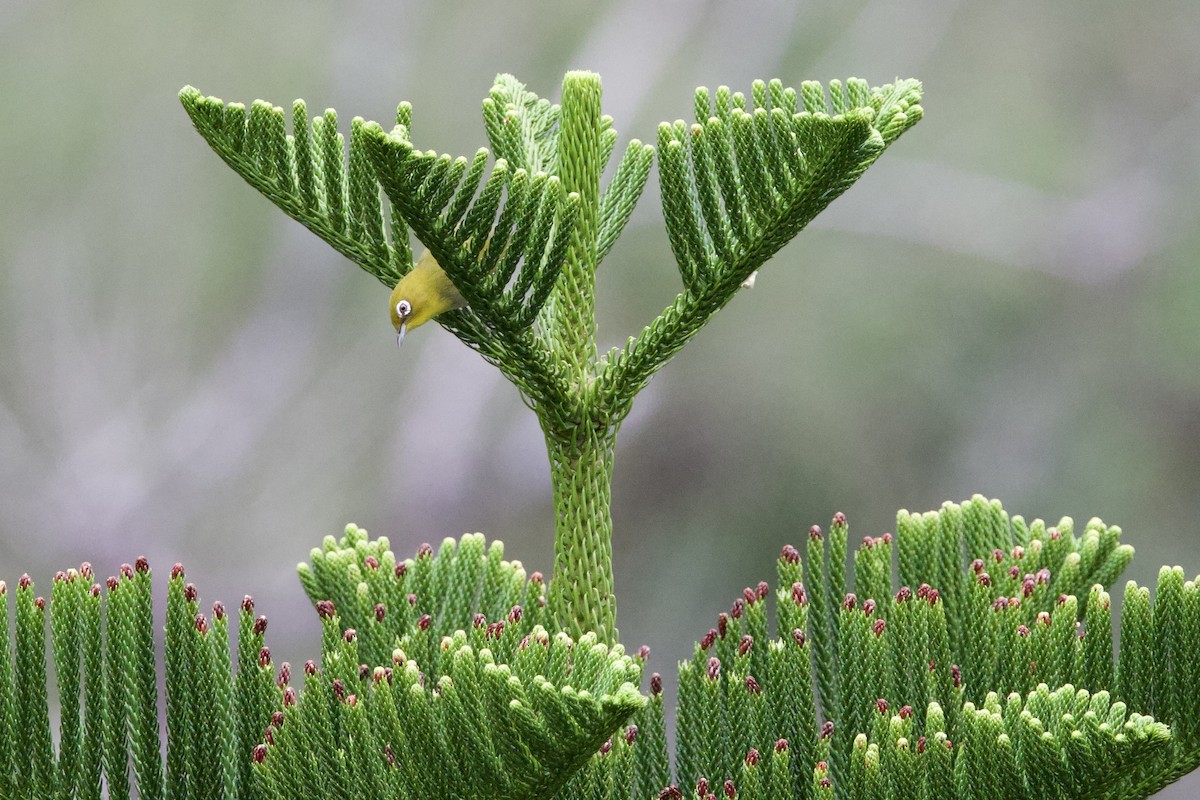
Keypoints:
(439, 679)
(989, 669)
(522, 228)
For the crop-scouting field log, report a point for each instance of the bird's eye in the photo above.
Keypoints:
(403, 308)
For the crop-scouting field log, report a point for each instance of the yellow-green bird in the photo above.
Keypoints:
(421, 295)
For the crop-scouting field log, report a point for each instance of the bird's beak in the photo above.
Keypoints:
(400, 333)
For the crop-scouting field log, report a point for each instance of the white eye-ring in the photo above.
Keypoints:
(403, 309)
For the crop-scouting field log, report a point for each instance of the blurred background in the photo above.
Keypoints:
(1007, 303)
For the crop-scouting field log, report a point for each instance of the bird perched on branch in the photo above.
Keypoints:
(421, 295)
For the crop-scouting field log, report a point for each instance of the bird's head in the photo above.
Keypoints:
(421, 295)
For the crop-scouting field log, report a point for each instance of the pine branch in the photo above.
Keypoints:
(740, 183)
(307, 175)
(466, 585)
(310, 177)
(918, 716)
(516, 728)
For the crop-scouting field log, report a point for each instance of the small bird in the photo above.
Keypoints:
(421, 295)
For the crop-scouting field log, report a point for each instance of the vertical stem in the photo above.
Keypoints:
(581, 593)
(580, 450)
(572, 306)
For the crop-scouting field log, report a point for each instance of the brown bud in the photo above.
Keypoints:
(790, 554)
(799, 596)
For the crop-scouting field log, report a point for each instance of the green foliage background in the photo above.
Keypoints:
(1008, 303)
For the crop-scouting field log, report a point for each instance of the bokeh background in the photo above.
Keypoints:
(1007, 303)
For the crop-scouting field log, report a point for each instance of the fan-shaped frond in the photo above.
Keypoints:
(520, 727)
(307, 174)
(744, 179)
(457, 214)
(741, 182)
(465, 585)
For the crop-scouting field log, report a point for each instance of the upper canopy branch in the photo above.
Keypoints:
(740, 183)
